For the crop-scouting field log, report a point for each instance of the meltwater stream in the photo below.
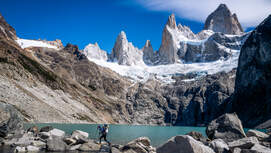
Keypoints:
(122, 134)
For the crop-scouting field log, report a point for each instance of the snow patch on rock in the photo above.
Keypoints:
(25, 43)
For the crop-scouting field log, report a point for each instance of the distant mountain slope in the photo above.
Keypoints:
(42, 95)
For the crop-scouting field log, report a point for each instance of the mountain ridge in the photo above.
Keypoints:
(178, 41)
(80, 86)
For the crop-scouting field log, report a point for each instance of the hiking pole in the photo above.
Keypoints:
(95, 135)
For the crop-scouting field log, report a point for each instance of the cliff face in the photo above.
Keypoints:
(169, 47)
(253, 79)
(125, 53)
(6, 31)
(222, 20)
(148, 53)
(197, 102)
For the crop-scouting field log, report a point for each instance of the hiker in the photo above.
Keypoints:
(103, 133)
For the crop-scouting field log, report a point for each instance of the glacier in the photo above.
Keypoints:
(164, 73)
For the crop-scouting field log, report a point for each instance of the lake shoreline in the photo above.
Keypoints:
(112, 124)
(127, 133)
(224, 133)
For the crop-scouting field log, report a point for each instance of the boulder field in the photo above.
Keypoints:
(225, 135)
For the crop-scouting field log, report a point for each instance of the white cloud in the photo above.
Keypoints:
(249, 12)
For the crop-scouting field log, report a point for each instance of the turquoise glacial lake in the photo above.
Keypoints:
(122, 134)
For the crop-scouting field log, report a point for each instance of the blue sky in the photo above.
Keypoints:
(87, 21)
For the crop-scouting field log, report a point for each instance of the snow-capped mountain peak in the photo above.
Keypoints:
(93, 51)
(125, 53)
(181, 52)
(171, 22)
(222, 20)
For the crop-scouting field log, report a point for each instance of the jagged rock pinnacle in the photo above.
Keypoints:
(222, 20)
(223, 7)
(122, 35)
(125, 53)
(171, 22)
(148, 43)
(148, 53)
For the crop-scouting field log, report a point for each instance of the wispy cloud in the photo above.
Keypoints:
(249, 12)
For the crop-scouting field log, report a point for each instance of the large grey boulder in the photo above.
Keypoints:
(251, 99)
(75, 147)
(54, 133)
(260, 149)
(255, 133)
(69, 141)
(46, 129)
(227, 127)
(57, 133)
(39, 144)
(89, 146)
(20, 149)
(24, 140)
(139, 145)
(197, 136)
(78, 133)
(32, 149)
(11, 120)
(219, 146)
(183, 144)
(80, 136)
(44, 135)
(222, 20)
(56, 144)
(244, 143)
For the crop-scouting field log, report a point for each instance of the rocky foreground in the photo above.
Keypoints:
(225, 135)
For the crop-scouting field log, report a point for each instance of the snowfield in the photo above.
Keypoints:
(164, 73)
(178, 36)
(25, 43)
